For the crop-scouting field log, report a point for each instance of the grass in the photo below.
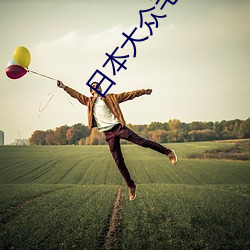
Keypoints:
(240, 150)
(187, 217)
(57, 165)
(61, 197)
(65, 218)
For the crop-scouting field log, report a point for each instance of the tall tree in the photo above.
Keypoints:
(38, 138)
(175, 133)
(60, 134)
(95, 138)
(50, 137)
(157, 125)
(245, 129)
(159, 135)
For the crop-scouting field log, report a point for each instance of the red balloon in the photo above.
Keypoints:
(15, 71)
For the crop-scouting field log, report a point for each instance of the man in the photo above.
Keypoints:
(106, 115)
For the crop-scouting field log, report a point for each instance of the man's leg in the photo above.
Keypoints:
(129, 135)
(115, 149)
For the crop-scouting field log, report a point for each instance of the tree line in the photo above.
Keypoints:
(172, 131)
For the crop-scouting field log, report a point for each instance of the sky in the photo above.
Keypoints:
(197, 61)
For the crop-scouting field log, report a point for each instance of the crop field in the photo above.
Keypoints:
(73, 197)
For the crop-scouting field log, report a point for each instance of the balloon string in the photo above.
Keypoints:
(41, 75)
(71, 103)
(50, 96)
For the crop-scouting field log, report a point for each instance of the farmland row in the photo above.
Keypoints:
(65, 218)
(172, 216)
(167, 216)
(63, 198)
(94, 165)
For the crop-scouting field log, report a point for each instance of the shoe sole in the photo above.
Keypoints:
(135, 194)
(175, 158)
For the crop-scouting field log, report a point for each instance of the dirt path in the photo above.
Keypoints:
(111, 235)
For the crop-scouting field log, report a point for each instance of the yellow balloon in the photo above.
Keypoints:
(22, 56)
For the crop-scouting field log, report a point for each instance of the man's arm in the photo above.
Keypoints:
(80, 97)
(132, 94)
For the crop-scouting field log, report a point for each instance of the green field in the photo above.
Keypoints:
(62, 197)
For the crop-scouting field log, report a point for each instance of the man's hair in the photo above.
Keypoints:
(90, 89)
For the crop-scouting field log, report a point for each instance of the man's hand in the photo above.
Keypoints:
(60, 84)
(148, 91)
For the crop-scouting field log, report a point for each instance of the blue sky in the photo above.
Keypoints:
(197, 61)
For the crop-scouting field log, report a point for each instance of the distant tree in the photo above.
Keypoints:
(175, 133)
(245, 129)
(77, 132)
(60, 134)
(157, 126)
(82, 142)
(175, 124)
(207, 135)
(70, 136)
(145, 133)
(50, 137)
(196, 126)
(159, 135)
(141, 130)
(81, 131)
(236, 128)
(132, 127)
(202, 135)
(217, 129)
(37, 138)
(185, 130)
(96, 137)
(228, 129)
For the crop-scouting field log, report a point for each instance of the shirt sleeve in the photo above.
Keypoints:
(126, 96)
(80, 97)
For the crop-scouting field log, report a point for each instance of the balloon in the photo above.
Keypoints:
(22, 56)
(15, 71)
(11, 62)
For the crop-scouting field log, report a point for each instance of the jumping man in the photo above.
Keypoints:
(106, 115)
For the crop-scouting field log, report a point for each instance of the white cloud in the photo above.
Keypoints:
(74, 42)
(69, 38)
(66, 41)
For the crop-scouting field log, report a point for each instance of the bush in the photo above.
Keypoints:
(240, 151)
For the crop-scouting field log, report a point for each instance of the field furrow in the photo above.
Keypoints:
(66, 218)
(64, 197)
(9, 212)
(186, 217)
(112, 234)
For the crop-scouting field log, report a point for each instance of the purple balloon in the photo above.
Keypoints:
(15, 71)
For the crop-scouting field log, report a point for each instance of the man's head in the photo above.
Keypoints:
(94, 85)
